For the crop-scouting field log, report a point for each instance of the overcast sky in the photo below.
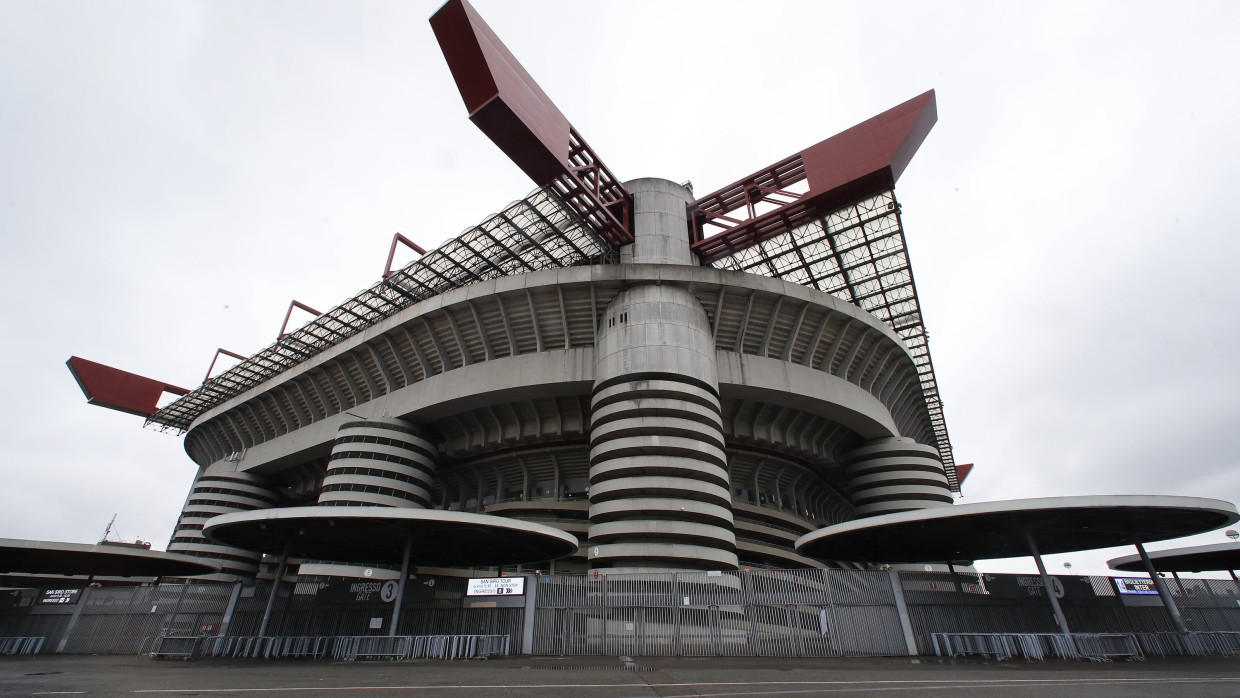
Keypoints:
(172, 174)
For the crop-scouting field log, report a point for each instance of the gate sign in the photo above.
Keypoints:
(58, 596)
(1136, 585)
(496, 586)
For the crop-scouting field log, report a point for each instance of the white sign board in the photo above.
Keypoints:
(496, 586)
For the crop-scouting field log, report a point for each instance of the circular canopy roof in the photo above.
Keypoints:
(40, 557)
(986, 530)
(378, 535)
(1200, 558)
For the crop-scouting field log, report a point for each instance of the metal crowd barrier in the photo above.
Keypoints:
(1195, 644)
(372, 647)
(20, 645)
(174, 646)
(1098, 647)
(267, 647)
(346, 648)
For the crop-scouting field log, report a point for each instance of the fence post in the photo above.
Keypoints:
(531, 601)
(906, 625)
(73, 619)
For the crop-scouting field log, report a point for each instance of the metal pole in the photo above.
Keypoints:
(275, 586)
(1233, 579)
(1046, 584)
(400, 584)
(1174, 611)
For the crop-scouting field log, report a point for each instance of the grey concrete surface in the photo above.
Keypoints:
(548, 677)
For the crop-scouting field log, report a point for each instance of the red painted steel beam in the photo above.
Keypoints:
(864, 160)
(284, 326)
(962, 472)
(514, 112)
(119, 390)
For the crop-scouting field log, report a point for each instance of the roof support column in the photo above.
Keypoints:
(1046, 583)
(275, 586)
(400, 585)
(1163, 592)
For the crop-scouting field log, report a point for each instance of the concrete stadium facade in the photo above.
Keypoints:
(670, 415)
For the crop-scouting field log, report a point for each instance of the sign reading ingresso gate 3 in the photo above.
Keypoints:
(496, 586)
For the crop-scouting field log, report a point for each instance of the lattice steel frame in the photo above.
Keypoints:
(857, 253)
(539, 232)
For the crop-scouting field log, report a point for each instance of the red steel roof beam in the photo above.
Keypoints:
(859, 162)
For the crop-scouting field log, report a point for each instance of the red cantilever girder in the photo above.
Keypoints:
(513, 111)
(119, 390)
(865, 159)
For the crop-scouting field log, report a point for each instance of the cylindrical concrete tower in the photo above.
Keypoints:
(896, 474)
(658, 471)
(379, 462)
(221, 489)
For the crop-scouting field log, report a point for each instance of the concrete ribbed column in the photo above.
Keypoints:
(221, 489)
(896, 474)
(659, 494)
(379, 462)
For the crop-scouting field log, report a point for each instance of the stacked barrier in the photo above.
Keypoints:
(1098, 647)
(20, 645)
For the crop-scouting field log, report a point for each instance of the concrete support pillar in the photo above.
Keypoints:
(659, 491)
(1168, 601)
(896, 474)
(392, 458)
(1047, 587)
(221, 488)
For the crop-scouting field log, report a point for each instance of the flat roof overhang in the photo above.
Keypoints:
(987, 530)
(42, 558)
(1200, 558)
(379, 535)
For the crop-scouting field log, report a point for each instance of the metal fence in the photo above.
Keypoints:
(780, 613)
(759, 612)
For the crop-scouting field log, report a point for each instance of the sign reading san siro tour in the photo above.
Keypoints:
(496, 586)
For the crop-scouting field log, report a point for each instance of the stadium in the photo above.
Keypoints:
(645, 401)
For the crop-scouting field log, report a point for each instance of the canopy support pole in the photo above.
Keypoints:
(1163, 592)
(275, 586)
(1233, 579)
(1046, 584)
(400, 584)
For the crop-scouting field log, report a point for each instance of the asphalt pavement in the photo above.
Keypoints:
(553, 677)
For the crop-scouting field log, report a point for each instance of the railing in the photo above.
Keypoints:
(346, 648)
(1098, 647)
(1194, 644)
(20, 645)
(174, 646)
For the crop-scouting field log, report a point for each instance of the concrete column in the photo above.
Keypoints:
(1168, 602)
(221, 488)
(886, 476)
(659, 491)
(73, 619)
(230, 609)
(1047, 588)
(275, 587)
(392, 456)
(897, 588)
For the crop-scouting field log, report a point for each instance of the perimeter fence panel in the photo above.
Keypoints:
(781, 613)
